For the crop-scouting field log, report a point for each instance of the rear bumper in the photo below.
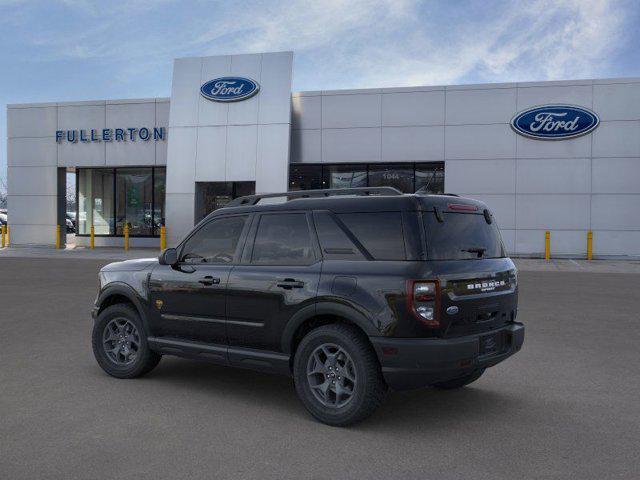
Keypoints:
(418, 362)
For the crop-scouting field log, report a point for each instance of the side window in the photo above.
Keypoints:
(215, 242)
(283, 239)
(380, 233)
(334, 242)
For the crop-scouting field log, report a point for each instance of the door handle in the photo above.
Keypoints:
(289, 283)
(209, 280)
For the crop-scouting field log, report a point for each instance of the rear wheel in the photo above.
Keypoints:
(337, 375)
(459, 382)
(120, 343)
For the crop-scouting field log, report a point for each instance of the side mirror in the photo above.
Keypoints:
(168, 257)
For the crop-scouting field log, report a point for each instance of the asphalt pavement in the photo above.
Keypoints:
(567, 406)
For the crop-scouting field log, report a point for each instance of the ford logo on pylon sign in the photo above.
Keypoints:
(555, 122)
(229, 89)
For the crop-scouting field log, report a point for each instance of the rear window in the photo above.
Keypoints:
(462, 236)
(379, 233)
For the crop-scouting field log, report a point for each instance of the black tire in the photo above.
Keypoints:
(144, 359)
(368, 389)
(459, 382)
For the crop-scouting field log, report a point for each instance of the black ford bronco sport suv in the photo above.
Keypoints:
(349, 291)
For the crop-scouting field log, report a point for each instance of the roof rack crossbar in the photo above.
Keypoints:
(360, 191)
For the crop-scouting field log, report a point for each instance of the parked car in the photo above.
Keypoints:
(351, 292)
(71, 228)
(3, 218)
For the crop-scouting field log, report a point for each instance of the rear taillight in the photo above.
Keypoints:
(423, 297)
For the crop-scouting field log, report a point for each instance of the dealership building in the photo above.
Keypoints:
(558, 156)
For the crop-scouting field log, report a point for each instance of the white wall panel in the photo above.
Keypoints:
(480, 176)
(617, 139)
(33, 234)
(306, 112)
(181, 171)
(562, 242)
(479, 141)
(32, 122)
(347, 111)
(616, 175)
(81, 154)
(140, 152)
(185, 92)
(541, 95)
(306, 146)
(480, 106)
(615, 212)
(351, 145)
(241, 153)
(548, 212)
(32, 180)
(275, 95)
(560, 175)
(125, 115)
(615, 243)
(273, 142)
(572, 148)
(33, 210)
(180, 210)
(81, 117)
(41, 152)
(413, 108)
(617, 101)
(412, 143)
(210, 160)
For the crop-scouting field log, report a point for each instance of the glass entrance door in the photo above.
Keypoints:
(213, 195)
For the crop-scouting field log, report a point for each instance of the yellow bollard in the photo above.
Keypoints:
(57, 236)
(126, 236)
(589, 245)
(3, 229)
(547, 245)
(163, 237)
(8, 235)
(92, 242)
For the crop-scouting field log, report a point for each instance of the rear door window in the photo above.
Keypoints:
(462, 236)
(380, 233)
(283, 239)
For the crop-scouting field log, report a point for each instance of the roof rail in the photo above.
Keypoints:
(360, 191)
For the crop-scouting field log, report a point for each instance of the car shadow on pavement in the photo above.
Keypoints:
(401, 411)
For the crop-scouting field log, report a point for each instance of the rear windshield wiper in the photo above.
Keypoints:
(478, 250)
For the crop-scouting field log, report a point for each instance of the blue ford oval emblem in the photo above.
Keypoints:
(229, 89)
(555, 122)
(452, 310)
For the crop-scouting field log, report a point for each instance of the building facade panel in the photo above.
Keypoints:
(32, 122)
(351, 111)
(616, 175)
(481, 176)
(412, 144)
(553, 212)
(306, 146)
(617, 139)
(351, 145)
(479, 142)
(404, 109)
(31, 152)
(617, 101)
(558, 175)
(480, 106)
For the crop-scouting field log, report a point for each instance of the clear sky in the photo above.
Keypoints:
(83, 49)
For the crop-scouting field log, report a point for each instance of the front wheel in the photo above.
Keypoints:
(459, 382)
(120, 343)
(337, 375)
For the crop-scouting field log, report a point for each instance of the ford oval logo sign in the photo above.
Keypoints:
(229, 89)
(555, 122)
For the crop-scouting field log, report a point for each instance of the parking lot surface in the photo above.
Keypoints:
(565, 407)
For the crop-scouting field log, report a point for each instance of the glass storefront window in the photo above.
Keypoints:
(109, 198)
(344, 176)
(406, 177)
(430, 178)
(133, 201)
(305, 177)
(398, 175)
(95, 201)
